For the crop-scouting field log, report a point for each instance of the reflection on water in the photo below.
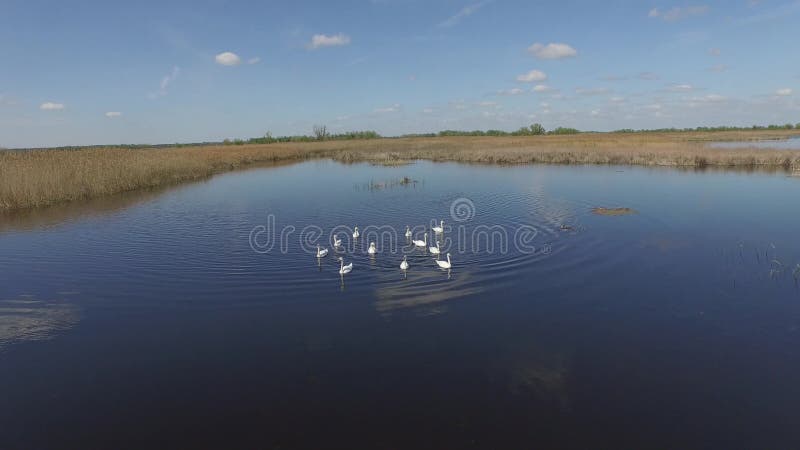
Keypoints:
(28, 319)
(555, 326)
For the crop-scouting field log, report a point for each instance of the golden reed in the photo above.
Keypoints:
(44, 177)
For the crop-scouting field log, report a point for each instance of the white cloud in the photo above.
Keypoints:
(617, 99)
(254, 60)
(462, 14)
(228, 59)
(785, 92)
(388, 109)
(532, 76)
(113, 114)
(165, 82)
(681, 88)
(595, 112)
(487, 104)
(552, 51)
(514, 91)
(678, 13)
(50, 106)
(542, 88)
(323, 40)
(715, 98)
(706, 100)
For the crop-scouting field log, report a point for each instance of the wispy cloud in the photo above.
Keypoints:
(51, 106)
(718, 68)
(785, 92)
(463, 13)
(532, 76)
(779, 12)
(228, 59)
(165, 82)
(678, 13)
(388, 109)
(254, 60)
(552, 51)
(647, 76)
(680, 88)
(323, 40)
(514, 91)
(113, 114)
(542, 88)
(592, 91)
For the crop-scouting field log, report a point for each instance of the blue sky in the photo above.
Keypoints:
(106, 72)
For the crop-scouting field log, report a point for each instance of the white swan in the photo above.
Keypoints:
(337, 242)
(408, 231)
(404, 264)
(344, 269)
(321, 252)
(424, 243)
(434, 250)
(372, 250)
(355, 233)
(444, 264)
(440, 228)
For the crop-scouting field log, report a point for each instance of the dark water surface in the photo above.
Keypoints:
(149, 320)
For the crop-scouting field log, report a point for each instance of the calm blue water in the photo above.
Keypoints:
(792, 143)
(156, 320)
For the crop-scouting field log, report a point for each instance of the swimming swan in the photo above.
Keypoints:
(444, 264)
(372, 250)
(344, 269)
(321, 252)
(408, 231)
(434, 250)
(424, 243)
(440, 228)
(404, 264)
(355, 233)
(337, 242)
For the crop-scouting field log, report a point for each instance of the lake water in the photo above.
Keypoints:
(182, 318)
(792, 143)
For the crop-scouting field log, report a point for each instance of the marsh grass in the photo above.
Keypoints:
(44, 177)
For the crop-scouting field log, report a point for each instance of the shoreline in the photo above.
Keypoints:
(44, 177)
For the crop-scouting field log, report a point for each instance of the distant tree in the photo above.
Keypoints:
(320, 132)
(537, 129)
(565, 130)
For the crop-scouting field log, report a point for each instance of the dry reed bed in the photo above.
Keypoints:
(44, 177)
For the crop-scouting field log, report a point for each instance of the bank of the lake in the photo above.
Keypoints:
(44, 177)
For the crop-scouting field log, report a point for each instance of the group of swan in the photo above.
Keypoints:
(343, 269)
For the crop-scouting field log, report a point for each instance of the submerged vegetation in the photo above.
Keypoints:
(601, 211)
(43, 177)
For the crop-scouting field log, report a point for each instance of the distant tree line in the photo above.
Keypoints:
(787, 126)
(534, 130)
(319, 133)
